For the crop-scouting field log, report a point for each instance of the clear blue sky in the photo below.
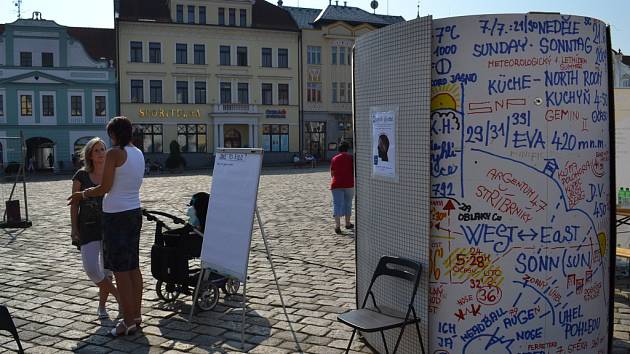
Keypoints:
(99, 13)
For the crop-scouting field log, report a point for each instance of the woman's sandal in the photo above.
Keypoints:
(128, 329)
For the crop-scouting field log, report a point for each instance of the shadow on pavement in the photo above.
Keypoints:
(10, 235)
(166, 327)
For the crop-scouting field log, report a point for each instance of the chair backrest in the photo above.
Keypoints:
(411, 271)
(6, 323)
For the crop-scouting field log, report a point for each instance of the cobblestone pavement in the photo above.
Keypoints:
(54, 304)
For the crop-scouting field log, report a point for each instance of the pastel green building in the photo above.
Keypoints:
(57, 89)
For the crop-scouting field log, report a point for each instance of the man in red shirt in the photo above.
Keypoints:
(342, 186)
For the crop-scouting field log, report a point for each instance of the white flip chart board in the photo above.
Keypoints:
(230, 217)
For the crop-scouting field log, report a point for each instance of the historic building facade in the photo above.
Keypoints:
(621, 69)
(57, 89)
(328, 36)
(209, 74)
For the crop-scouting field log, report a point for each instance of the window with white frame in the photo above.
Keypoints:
(266, 57)
(181, 53)
(243, 17)
(181, 91)
(224, 55)
(147, 137)
(202, 15)
(314, 92)
(155, 52)
(199, 54)
(283, 58)
(314, 55)
(243, 92)
(334, 92)
(191, 14)
(137, 91)
(76, 105)
(26, 105)
(221, 16)
(283, 94)
(155, 91)
(267, 94)
(200, 92)
(241, 56)
(100, 105)
(48, 105)
(226, 92)
(192, 137)
(180, 13)
(342, 55)
(135, 52)
(232, 18)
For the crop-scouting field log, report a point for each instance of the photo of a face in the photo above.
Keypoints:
(383, 147)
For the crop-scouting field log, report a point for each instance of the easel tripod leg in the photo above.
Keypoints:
(273, 270)
(196, 294)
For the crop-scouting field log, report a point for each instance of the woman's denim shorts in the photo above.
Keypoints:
(342, 201)
(121, 240)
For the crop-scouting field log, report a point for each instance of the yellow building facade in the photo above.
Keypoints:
(209, 74)
(328, 36)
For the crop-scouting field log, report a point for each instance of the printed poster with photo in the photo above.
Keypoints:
(384, 143)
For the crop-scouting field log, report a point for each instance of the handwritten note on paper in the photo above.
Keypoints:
(520, 185)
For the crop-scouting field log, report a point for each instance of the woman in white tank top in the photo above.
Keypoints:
(122, 220)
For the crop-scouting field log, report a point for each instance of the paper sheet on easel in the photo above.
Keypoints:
(230, 217)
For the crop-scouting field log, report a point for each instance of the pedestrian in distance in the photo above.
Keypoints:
(87, 223)
(31, 164)
(342, 186)
(122, 218)
(51, 160)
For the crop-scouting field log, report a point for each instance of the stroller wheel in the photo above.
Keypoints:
(231, 286)
(208, 296)
(166, 291)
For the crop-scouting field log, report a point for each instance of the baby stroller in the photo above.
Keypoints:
(171, 252)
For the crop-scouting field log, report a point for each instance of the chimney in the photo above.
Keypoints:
(345, 3)
(280, 3)
(329, 2)
(336, 2)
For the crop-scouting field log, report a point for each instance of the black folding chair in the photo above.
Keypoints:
(375, 320)
(6, 324)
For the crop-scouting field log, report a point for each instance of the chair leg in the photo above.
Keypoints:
(350, 342)
(402, 330)
(384, 342)
(19, 345)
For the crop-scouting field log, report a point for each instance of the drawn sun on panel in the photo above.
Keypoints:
(445, 97)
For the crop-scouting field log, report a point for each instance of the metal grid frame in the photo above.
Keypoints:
(392, 67)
